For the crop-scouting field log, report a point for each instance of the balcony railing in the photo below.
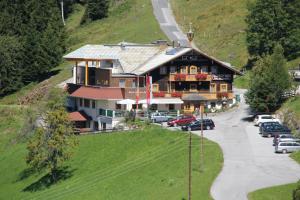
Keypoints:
(205, 93)
(190, 77)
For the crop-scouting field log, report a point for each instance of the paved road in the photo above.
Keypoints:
(164, 15)
(249, 160)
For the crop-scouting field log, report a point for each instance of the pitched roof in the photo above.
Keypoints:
(104, 93)
(79, 116)
(137, 58)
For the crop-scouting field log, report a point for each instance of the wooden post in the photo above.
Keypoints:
(86, 73)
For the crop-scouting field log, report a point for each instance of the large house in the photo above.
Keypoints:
(108, 79)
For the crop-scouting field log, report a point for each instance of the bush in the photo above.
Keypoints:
(296, 192)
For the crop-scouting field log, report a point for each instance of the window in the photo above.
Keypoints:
(102, 112)
(223, 87)
(122, 83)
(133, 83)
(163, 70)
(183, 70)
(155, 87)
(80, 102)
(171, 107)
(213, 87)
(193, 70)
(204, 69)
(193, 88)
(214, 69)
(173, 70)
(93, 104)
(86, 103)
(118, 106)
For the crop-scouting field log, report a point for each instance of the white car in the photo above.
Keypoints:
(265, 118)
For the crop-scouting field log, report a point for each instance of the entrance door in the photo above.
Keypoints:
(104, 126)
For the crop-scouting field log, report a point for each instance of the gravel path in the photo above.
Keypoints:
(249, 159)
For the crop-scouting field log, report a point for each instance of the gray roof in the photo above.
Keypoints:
(135, 58)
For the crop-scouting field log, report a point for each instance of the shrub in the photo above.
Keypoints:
(176, 94)
(158, 94)
(180, 77)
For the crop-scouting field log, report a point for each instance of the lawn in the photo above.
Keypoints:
(282, 192)
(144, 164)
(293, 104)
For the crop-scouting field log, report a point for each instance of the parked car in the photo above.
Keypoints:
(271, 131)
(158, 117)
(196, 125)
(182, 120)
(264, 118)
(286, 147)
(285, 138)
(264, 124)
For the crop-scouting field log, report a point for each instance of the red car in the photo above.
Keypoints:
(182, 120)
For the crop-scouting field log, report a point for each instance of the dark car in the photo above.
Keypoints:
(264, 124)
(196, 125)
(271, 131)
(182, 120)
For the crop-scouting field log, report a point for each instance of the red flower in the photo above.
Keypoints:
(222, 94)
(158, 94)
(180, 77)
(201, 76)
(176, 94)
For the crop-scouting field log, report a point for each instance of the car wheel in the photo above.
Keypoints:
(269, 135)
(207, 127)
(284, 151)
(189, 129)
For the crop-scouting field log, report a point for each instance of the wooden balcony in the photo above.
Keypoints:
(189, 77)
(205, 94)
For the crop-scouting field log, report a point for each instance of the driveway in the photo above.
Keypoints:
(249, 160)
(164, 15)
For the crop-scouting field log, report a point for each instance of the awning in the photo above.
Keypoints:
(79, 116)
(193, 97)
(126, 102)
(163, 101)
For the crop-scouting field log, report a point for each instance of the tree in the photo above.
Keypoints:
(10, 64)
(51, 144)
(268, 82)
(96, 9)
(271, 22)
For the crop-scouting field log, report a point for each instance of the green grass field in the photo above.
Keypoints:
(282, 192)
(220, 27)
(148, 164)
(293, 104)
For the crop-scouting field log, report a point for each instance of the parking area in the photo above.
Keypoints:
(249, 159)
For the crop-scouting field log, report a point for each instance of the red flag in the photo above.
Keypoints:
(148, 88)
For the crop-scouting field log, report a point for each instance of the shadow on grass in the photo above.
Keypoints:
(47, 180)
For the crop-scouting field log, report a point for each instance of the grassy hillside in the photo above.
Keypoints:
(219, 27)
(130, 20)
(154, 166)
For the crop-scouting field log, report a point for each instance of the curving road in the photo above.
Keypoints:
(164, 15)
(249, 159)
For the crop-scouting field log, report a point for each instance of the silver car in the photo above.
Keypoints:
(286, 147)
(160, 117)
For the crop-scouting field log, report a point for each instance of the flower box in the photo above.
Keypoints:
(180, 77)
(159, 94)
(176, 94)
(223, 94)
(201, 76)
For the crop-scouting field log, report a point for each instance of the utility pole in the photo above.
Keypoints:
(62, 11)
(190, 166)
(201, 139)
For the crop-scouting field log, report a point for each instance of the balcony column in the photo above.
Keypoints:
(86, 73)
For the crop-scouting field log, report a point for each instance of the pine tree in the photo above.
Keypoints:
(268, 82)
(52, 145)
(96, 9)
(10, 65)
(271, 22)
